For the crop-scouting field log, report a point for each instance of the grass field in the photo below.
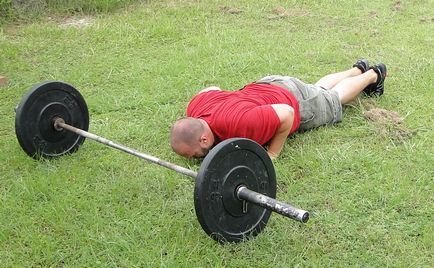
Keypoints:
(368, 183)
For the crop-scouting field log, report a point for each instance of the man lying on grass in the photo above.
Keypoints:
(271, 109)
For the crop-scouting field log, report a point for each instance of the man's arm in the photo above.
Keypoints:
(286, 117)
(209, 89)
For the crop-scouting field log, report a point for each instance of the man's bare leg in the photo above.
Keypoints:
(331, 80)
(350, 87)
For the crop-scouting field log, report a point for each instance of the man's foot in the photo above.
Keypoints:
(362, 64)
(377, 89)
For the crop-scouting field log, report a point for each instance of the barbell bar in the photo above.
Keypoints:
(60, 124)
(52, 120)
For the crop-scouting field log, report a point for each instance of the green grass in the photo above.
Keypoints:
(23, 10)
(370, 192)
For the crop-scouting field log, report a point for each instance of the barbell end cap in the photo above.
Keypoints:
(305, 217)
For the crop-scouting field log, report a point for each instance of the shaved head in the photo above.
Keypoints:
(190, 137)
(186, 130)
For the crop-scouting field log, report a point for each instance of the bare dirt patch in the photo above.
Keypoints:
(373, 14)
(389, 124)
(383, 116)
(74, 22)
(281, 12)
(397, 6)
(230, 10)
(3, 80)
(424, 20)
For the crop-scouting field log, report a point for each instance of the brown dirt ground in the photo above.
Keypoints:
(281, 12)
(230, 10)
(75, 22)
(389, 124)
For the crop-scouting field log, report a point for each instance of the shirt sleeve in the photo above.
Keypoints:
(259, 124)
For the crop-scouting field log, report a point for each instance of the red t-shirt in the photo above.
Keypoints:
(246, 113)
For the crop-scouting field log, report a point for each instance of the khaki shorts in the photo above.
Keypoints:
(318, 106)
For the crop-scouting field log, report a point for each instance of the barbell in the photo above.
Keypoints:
(235, 187)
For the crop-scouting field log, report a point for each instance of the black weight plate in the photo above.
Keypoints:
(231, 163)
(34, 119)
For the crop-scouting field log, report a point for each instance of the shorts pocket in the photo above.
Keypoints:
(307, 115)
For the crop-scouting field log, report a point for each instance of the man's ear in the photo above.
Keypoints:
(204, 141)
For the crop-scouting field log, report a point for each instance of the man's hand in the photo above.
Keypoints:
(272, 155)
(286, 116)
